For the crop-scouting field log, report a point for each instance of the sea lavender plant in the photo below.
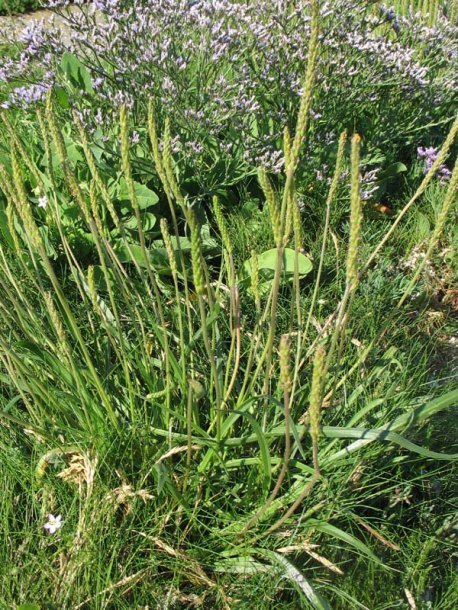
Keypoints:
(228, 73)
(429, 154)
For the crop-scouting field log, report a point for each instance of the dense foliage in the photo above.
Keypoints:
(229, 76)
(12, 7)
(228, 306)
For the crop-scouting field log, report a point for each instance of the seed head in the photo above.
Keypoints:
(316, 393)
(285, 371)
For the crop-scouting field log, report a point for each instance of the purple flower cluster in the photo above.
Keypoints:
(229, 73)
(26, 94)
(429, 155)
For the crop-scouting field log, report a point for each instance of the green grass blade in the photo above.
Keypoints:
(366, 436)
(300, 582)
(336, 532)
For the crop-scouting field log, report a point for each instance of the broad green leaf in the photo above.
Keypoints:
(254, 128)
(157, 258)
(145, 196)
(77, 74)
(392, 170)
(97, 151)
(74, 151)
(377, 158)
(268, 260)
(62, 97)
(209, 244)
(148, 221)
(28, 606)
(101, 280)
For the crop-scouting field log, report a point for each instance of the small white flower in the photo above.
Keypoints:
(42, 201)
(53, 524)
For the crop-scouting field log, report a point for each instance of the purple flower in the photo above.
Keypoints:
(97, 82)
(429, 155)
(444, 173)
(421, 152)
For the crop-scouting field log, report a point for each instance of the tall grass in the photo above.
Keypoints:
(194, 394)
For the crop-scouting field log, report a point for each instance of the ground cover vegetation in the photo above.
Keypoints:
(11, 7)
(228, 306)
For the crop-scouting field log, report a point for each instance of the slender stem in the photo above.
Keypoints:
(211, 357)
(255, 518)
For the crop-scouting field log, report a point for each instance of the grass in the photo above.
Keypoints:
(137, 511)
(131, 558)
(217, 435)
